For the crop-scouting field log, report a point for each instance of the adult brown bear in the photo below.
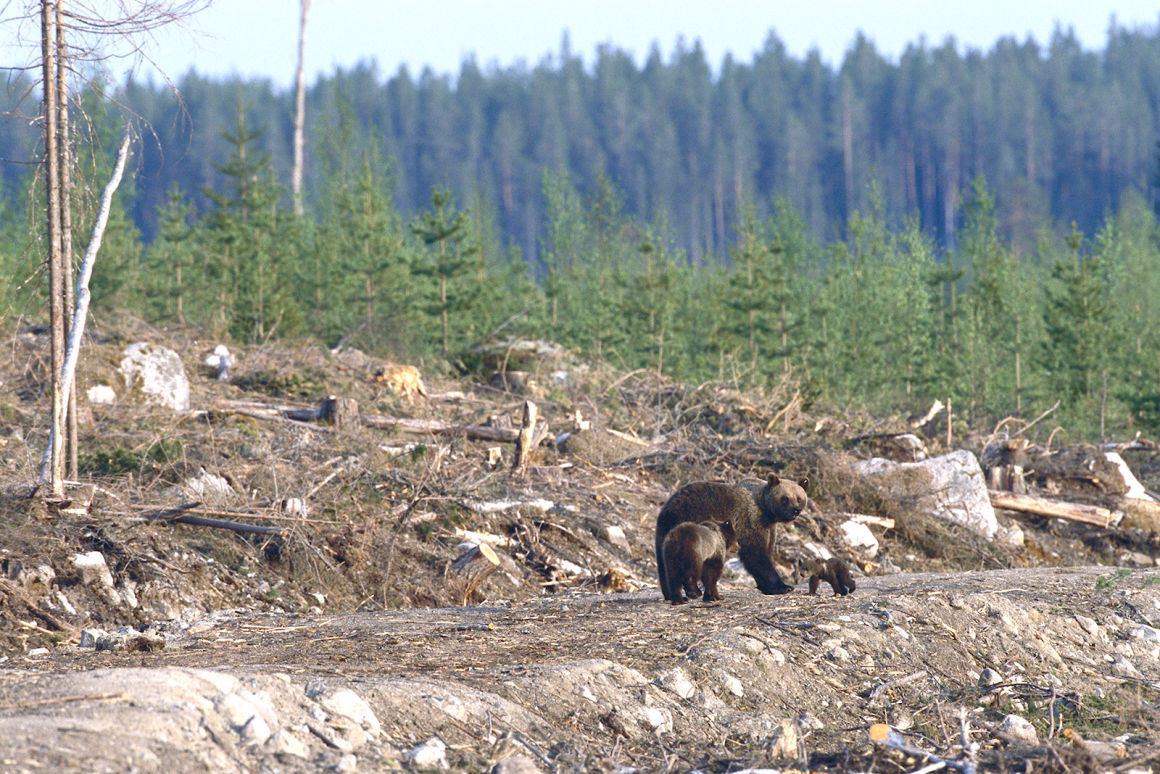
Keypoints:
(752, 512)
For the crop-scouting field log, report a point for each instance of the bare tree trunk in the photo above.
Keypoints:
(56, 279)
(64, 147)
(300, 112)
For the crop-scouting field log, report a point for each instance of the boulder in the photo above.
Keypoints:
(157, 374)
(950, 487)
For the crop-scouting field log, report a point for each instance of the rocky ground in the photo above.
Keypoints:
(337, 634)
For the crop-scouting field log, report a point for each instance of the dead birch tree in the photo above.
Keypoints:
(300, 113)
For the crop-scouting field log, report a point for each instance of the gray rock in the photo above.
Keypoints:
(89, 637)
(989, 677)
(951, 487)
(157, 374)
(1019, 728)
(1122, 667)
(1146, 633)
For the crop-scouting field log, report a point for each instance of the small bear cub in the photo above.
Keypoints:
(833, 571)
(695, 552)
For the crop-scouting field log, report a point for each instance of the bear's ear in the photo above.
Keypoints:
(773, 479)
(804, 483)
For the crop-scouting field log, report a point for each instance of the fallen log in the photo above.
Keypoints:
(180, 514)
(1038, 506)
(298, 414)
(437, 427)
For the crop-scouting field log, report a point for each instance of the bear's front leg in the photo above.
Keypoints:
(758, 564)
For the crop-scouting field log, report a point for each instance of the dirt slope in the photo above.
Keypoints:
(583, 682)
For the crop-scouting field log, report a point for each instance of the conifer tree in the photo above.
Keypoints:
(249, 260)
(452, 260)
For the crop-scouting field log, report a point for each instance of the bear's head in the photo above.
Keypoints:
(782, 500)
(729, 533)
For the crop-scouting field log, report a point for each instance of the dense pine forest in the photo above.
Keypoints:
(962, 224)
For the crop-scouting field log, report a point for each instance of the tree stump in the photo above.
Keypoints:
(340, 412)
(531, 433)
(472, 568)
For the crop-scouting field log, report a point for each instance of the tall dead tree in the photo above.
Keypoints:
(300, 112)
(57, 280)
(97, 33)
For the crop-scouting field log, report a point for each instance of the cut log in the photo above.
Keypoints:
(1084, 514)
(472, 568)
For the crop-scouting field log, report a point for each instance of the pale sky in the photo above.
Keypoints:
(259, 37)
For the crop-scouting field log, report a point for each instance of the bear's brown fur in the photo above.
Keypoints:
(752, 512)
(696, 553)
(833, 571)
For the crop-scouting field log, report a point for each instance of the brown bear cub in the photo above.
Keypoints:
(753, 514)
(833, 571)
(696, 553)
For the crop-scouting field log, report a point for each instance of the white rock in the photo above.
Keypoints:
(839, 654)
(430, 754)
(349, 704)
(236, 710)
(989, 677)
(732, 684)
(1020, 728)
(951, 487)
(129, 594)
(158, 373)
(349, 762)
(859, 537)
(613, 535)
(38, 652)
(93, 569)
(256, 731)
(1011, 536)
(659, 720)
(774, 655)
(101, 394)
(206, 483)
(287, 743)
(63, 601)
(677, 682)
(1088, 625)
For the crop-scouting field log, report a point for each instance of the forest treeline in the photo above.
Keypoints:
(967, 226)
